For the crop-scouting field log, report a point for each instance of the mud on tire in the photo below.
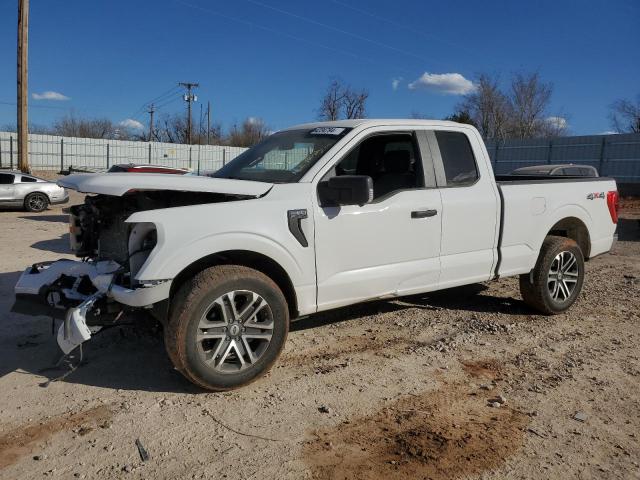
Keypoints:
(555, 282)
(227, 326)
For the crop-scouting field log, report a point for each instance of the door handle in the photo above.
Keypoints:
(423, 213)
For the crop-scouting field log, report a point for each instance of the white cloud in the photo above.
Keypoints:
(446, 83)
(132, 124)
(559, 123)
(395, 83)
(49, 95)
(608, 132)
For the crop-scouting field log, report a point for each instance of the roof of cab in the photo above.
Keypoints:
(371, 122)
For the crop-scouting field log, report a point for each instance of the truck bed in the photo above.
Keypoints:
(533, 206)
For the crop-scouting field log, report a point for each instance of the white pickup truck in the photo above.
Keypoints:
(315, 217)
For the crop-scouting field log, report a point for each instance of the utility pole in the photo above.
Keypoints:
(23, 123)
(151, 111)
(189, 98)
(208, 121)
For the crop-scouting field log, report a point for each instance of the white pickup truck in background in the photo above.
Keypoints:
(315, 217)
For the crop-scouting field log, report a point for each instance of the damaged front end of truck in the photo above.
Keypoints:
(99, 288)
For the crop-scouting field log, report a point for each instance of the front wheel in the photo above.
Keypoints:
(227, 326)
(36, 202)
(556, 280)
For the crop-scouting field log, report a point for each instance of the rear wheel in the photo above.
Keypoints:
(227, 326)
(556, 280)
(36, 202)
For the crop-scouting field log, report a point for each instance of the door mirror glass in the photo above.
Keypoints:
(346, 190)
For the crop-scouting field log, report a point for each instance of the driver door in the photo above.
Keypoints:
(390, 246)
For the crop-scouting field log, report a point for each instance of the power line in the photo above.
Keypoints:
(167, 102)
(163, 96)
(278, 32)
(339, 30)
(401, 25)
(169, 92)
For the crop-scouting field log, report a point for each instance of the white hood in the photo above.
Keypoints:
(120, 183)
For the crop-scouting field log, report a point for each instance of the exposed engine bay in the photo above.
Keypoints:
(99, 289)
(98, 229)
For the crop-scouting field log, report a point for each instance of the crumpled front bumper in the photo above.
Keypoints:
(38, 280)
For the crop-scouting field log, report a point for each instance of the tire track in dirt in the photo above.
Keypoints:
(447, 433)
(23, 440)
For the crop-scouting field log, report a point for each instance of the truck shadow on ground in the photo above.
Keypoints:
(47, 218)
(133, 357)
(56, 245)
(470, 298)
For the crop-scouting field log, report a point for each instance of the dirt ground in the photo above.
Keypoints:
(391, 390)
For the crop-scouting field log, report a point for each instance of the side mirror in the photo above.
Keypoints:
(346, 190)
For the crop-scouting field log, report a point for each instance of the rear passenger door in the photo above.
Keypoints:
(469, 207)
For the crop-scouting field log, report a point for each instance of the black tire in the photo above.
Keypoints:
(539, 287)
(36, 202)
(199, 298)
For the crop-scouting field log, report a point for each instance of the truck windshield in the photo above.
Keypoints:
(283, 157)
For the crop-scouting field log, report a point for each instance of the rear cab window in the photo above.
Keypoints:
(459, 163)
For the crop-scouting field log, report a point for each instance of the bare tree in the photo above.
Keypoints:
(530, 99)
(33, 128)
(248, 133)
(73, 126)
(331, 102)
(553, 126)
(461, 116)
(354, 103)
(342, 101)
(171, 129)
(488, 108)
(625, 115)
(519, 113)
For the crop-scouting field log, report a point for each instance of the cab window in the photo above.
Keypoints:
(391, 160)
(457, 158)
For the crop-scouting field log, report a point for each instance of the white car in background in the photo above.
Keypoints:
(34, 194)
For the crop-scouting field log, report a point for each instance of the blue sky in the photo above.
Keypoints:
(274, 58)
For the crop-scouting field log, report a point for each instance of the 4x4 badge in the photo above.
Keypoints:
(595, 195)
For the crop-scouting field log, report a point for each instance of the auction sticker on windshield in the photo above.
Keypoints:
(326, 131)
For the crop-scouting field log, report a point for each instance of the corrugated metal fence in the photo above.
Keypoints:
(616, 156)
(49, 152)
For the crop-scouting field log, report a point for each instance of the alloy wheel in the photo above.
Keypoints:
(37, 202)
(563, 276)
(234, 331)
